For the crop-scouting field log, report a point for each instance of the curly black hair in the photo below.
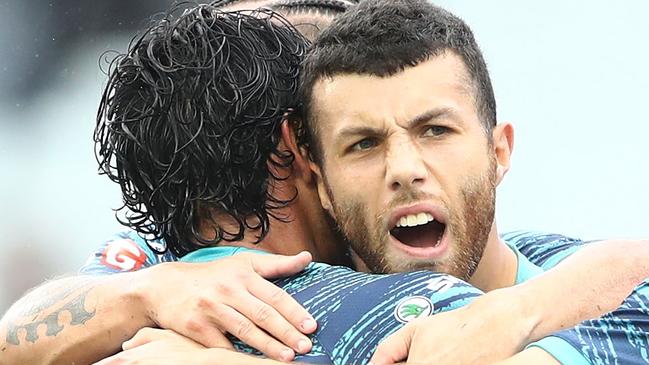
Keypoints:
(188, 124)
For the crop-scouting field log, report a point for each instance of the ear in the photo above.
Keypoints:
(503, 145)
(323, 192)
(301, 166)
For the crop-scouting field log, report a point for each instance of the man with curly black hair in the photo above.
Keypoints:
(190, 126)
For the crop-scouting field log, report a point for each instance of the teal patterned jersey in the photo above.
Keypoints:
(343, 300)
(619, 337)
(355, 311)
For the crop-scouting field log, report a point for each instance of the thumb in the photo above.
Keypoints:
(275, 266)
(394, 348)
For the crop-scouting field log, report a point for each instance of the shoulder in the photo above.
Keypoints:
(543, 249)
(125, 251)
(619, 336)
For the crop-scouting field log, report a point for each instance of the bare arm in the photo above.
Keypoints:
(593, 280)
(516, 316)
(79, 318)
(84, 319)
(152, 346)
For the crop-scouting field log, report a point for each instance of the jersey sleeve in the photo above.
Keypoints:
(545, 250)
(123, 252)
(619, 337)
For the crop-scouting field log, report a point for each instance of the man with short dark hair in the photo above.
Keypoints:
(402, 119)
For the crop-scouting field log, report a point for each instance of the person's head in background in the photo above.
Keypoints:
(309, 17)
(401, 117)
(191, 125)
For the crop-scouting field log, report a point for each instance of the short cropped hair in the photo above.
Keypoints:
(384, 37)
(310, 17)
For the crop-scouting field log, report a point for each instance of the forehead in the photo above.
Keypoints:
(440, 82)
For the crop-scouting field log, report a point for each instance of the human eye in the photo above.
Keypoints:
(436, 131)
(363, 145)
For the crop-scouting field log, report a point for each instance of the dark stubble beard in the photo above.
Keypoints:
(469, 225)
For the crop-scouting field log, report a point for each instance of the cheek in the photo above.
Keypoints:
(353, 177)
(456, 164)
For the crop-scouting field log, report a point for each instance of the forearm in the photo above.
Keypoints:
(77, 319)
(591, 282)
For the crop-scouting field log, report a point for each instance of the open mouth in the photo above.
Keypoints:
(419, 230)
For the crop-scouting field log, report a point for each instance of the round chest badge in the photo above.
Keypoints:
(412, 308)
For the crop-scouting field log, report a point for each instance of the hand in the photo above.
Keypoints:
(203, 301)
(147, 335)
(156, 346)
(159, 347)
(492, 328)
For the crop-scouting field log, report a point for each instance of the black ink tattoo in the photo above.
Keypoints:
(75, 306)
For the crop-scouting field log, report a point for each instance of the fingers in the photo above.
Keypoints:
(205, 333)
(286, 317)
(144, 336)
(147, 335)
(241, 327)
(394, 348)
(276, 312)
(276, 266)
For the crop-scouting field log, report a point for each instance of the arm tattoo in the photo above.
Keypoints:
(60, 298)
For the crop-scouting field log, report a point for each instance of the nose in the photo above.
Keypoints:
(405, 167)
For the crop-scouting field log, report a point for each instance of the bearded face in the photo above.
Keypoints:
(407, 169)
(464, 232)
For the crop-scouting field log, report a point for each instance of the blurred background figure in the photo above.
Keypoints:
(572, 77)
(55, 207)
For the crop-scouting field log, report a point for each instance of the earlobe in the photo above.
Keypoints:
(300, 163)
(503, 145)
(323, 193)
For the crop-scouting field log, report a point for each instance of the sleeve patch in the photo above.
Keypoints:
(123, 255)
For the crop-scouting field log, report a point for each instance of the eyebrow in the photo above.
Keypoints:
(430, 115)
(364, 130)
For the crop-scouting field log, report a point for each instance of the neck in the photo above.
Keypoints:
(283, 238)
(309, 228)
(498, 266)
(306, 228)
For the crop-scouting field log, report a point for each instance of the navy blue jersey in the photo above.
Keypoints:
(355, 311)
(348, 304)
(619, 337)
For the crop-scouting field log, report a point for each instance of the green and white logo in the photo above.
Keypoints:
(412, 308)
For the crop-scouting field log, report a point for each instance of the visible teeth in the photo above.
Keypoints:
(403, 222)
(413, 220)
